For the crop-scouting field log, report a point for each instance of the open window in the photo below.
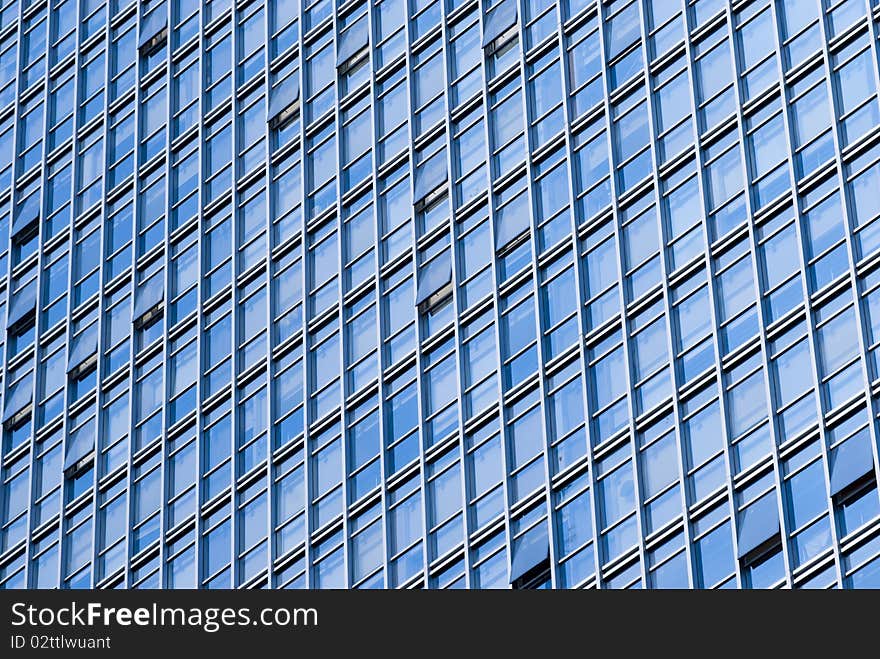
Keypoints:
(148, 300)
(18, 402)
(530, 563)
(154, 30)
(22, 309)
(854, 483)
(512, 231)
(83, 351)
(80, 451)
(25, 225)
(283, 102)
(429, 177)
(858, 504)
(434, 283)
(851, 462)
(352, 46)
(79, 461)
(21, 321)
(760, 542)
(82, 361)
(512, 223)
(500, 25)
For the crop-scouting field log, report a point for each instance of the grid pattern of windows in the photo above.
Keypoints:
(439, 293)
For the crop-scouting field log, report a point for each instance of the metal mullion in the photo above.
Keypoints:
(581, 320)
(496, 306)
(271, 471)
(28, 552)
(591, 472)
(409, 72)
(860, 316)
(756, 275)
(100, 309)
(74, 170)
(135, 217)
(235, 296)
(35, 360)
(710, 288)
(534, 276)
(165, 315)
(15, 105)
(199, 138)
(456, 276)
(303, 248)
(875, 50)
(341, 307)
(622, 327)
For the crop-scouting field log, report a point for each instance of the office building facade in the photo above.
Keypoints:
(440, 293)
